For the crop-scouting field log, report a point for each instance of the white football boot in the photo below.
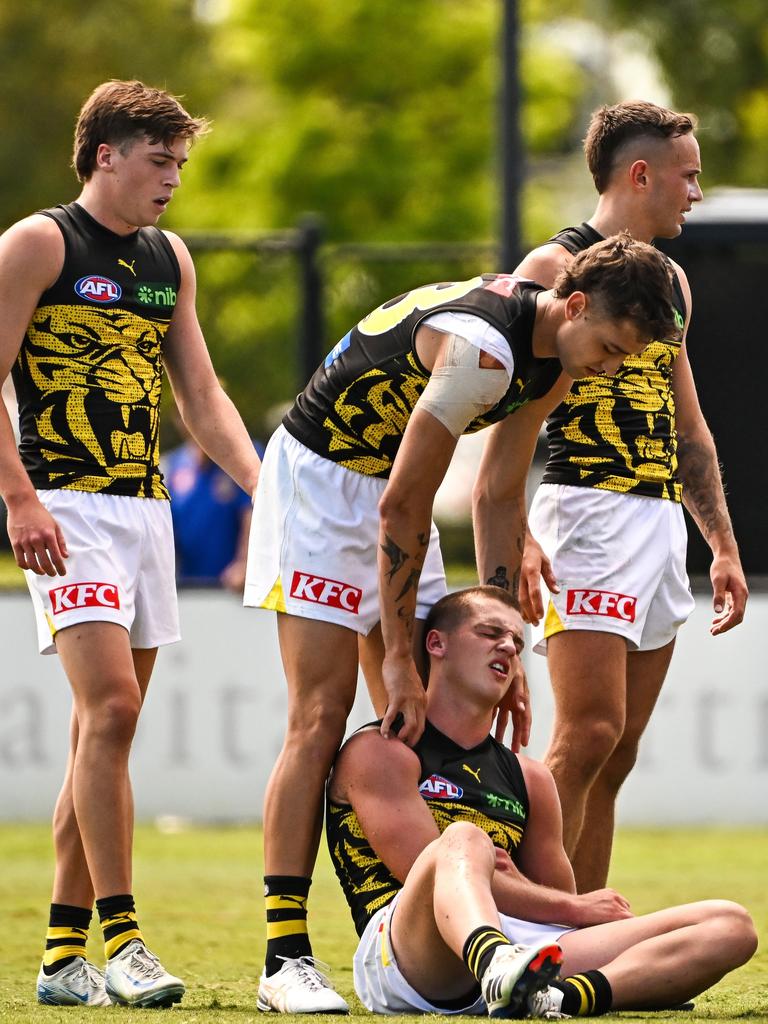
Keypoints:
(80, 983)
(135, 977)
(300, 986)
(515, 973)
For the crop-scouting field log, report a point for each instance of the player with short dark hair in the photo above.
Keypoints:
(96, 302)
(451, 859)
(345, 548)
(607, 533)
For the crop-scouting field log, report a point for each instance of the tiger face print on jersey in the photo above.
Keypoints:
(618, 433)
(97, 376)
(89, 372)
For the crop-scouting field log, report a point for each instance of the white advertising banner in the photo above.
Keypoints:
(212, 725)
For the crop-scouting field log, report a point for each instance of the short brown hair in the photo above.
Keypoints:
(450, 611)
(627, 280)
(610, 128)
(120, 113)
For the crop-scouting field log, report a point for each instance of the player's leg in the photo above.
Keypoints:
(655, 961)
(588, 673)
(108, 683)
(646, 671)
(446, 933)
(320, 663)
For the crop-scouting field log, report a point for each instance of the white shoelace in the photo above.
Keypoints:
(313, 972)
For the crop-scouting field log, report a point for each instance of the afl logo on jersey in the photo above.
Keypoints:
(95, 288)
(443, 789)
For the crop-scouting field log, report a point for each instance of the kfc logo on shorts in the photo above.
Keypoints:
(601, 602)
(84, 595)
(319, 590)
(443, 789)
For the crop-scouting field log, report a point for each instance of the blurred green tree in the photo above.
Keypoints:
(54, 54)
(714, 55)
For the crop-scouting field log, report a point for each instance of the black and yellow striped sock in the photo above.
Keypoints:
(66, 936)
(286, 901)
(118, 922)
(585, 995)
(479, 948)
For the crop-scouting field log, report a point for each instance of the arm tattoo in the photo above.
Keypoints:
(499, 578)
(397, 557)
(703, 491)
(411, 583)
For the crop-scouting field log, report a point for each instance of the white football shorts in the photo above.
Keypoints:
(314, 541)
(380, 985)
(619, 560)
(121, 568)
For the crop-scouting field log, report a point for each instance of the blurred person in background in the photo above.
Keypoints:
(211, 517)
(97, 302)
(607, 534)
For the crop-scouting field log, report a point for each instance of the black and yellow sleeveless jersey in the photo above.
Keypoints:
(484, 785)
(618, 433)
(88, 376)
(355, 409)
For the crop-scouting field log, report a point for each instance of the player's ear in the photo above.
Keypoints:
(104, 160)
(638, 175)
(435, 643)
(575, 305)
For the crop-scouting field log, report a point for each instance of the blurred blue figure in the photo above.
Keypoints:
(211, 519)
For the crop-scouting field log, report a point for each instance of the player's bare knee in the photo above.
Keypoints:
(113, 722)
(734, 931)
(465, 839)
(585, 749)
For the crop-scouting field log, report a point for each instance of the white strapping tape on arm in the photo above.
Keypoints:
(461, 389)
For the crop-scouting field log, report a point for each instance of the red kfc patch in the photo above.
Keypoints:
(601, 602)
(84, 595)
(319, 590)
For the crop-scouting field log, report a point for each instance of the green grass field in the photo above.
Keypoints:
(199, 902)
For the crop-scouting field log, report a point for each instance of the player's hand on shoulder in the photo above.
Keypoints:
(729, 593)
(600, 907)
(406, 701)
(37, 540)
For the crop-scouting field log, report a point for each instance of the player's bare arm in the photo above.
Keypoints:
(542, 265)
(405, 512)
(498, 498)
(703, 492)
(542, 887)
(31, 257)
(206, 409)
(380, 780)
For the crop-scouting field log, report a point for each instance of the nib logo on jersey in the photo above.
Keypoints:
(84, 595)
(601, 602)
(436, 787)
(320, 590)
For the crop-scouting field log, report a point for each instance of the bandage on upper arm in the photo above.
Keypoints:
(460, 389)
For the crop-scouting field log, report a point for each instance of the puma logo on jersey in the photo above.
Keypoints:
(128, 266)
(475, 774)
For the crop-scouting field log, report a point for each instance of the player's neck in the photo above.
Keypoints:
(98, 205)
(614, 214)
(461, 721)
(549, 316)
